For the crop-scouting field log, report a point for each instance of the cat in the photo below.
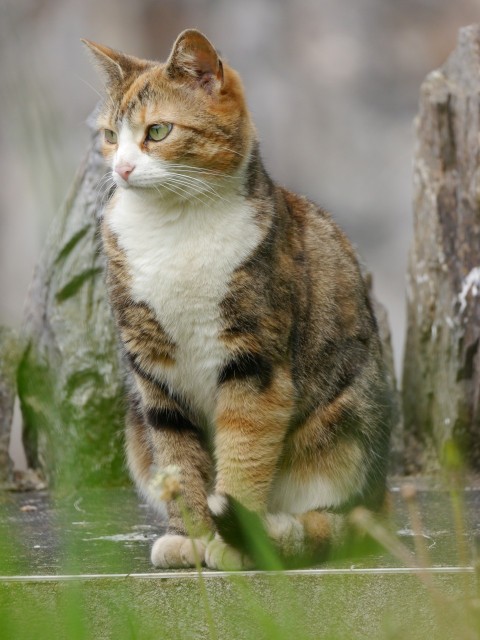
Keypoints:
(255, 362)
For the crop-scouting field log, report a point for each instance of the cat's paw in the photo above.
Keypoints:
(175, 551)
(220, 555)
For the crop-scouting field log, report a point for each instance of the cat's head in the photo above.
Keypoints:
(176, 125)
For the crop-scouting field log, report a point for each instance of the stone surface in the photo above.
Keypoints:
(77, 566)
(9, 358)
(70, 380)
(105, 531)
(441, 380)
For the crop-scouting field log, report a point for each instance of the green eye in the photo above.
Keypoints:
(110, 136)
(158, 132)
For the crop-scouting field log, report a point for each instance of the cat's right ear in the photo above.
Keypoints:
(114, 65)
(194, 59)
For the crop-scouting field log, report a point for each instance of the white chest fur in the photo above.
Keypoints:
(181, 263)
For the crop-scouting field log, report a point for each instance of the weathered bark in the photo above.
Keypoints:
(441, 381)
(70, 381)
(9, 356)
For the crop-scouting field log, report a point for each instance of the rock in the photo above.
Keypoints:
(441, 380)
(70, 379)
(9, 357)
(396, 445)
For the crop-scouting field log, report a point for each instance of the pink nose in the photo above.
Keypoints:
(124, 170)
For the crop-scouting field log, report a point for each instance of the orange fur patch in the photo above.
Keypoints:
(250, 431)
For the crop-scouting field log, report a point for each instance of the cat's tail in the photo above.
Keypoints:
(277, 540)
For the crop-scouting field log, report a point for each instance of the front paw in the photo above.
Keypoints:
(219, 555)
(175, 551)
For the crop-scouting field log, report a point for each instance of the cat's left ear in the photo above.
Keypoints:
(115, 66)
(194, 59)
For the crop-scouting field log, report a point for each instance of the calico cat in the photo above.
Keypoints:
(254, 354)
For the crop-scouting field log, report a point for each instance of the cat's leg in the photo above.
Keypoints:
(252, 417)
(254, 409)
(159, 437)
(325, 467)
(333, 461)
(190, 525)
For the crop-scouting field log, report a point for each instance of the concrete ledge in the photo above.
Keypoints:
(340, 604)
(194, 575)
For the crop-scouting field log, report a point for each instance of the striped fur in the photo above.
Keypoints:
(255, 363)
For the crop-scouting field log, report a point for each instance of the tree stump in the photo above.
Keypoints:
(441, 380)
(70, 381)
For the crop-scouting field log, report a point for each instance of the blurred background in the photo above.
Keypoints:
(333, 87)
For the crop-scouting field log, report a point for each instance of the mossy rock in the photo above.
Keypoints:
(70, 379)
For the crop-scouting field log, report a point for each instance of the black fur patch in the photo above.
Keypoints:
(248, 365)
(161, 418)
(132, 359)
(342, 363)
(241, 325)
(230, 525)
(145, 93)
(258, 182)
(243, 529)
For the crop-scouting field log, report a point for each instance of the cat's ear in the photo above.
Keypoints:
(194, 59)
(114, 65)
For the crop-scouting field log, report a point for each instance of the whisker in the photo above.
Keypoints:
(206, 173)
(200, 186)
(89, 85)
(103, 189)
(204, 170)
(180, 189)
(101, 96)
(189, 196)
(182, 186)
(242, 155)
(100, 192)
(168, 188)
(107, 180)
(196, 182)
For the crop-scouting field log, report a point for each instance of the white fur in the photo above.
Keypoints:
(286, 532)
(147, 170)
(181, 260)
(292, 495)
(177, 551)
(217, 504)
(221, 556)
